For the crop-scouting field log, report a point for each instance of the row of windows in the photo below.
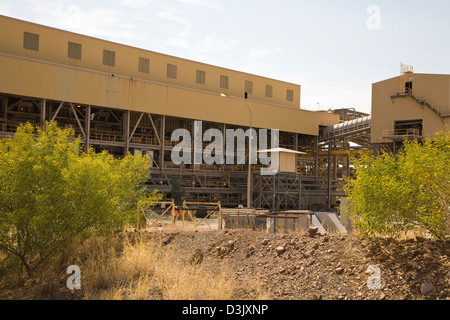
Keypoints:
(31, 42)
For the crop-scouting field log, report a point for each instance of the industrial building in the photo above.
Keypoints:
(130, 100)
(410, 106)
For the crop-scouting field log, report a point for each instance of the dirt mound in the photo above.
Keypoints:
(330, 267)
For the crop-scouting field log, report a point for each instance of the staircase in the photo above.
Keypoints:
(422, 102)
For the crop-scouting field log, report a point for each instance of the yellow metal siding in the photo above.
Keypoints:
(43, 80)
(434, 88)
(287, 162)
(49, 73)
(53, 48)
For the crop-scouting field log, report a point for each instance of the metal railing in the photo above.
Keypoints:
(106, 137)
(144, 140)
(399, 133)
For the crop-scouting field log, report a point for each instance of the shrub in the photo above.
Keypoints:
(394, 194)
(51, 192)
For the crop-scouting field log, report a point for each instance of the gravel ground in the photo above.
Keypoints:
(296, 266)
(323, 267)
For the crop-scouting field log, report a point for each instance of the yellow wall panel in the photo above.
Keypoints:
(27, 77)
(53, 47)
(385, 111)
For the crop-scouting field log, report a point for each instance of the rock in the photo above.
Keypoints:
(265, 242)
(223, 251)
(339, 270)
(196, 258)
(383, 257)
(166, 240)
(226, 249)
(369, 271)
(313, 231)
(426, 287)
(420, 239)
(280, 250)
(447, 251)
(415, 253)
(250, 250)
(317, 296)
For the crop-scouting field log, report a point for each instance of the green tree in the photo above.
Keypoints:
(391, 195)
(51, 193)
(177, 190)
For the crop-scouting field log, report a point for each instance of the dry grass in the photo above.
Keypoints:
(139, 268)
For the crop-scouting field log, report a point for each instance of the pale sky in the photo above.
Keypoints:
(334, 49)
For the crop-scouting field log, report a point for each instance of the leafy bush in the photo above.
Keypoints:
(177, 190)
(394, 194)
(51, 193)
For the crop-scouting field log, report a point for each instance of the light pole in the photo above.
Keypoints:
(249, 175)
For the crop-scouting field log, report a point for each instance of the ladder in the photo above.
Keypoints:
(405, 72)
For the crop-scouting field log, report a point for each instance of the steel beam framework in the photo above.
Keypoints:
(316, 184)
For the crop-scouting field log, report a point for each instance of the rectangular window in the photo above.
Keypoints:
(74, 50)
(290, 95)
(408, 87)
(249, 86)
(201, 77)
(109, 58)
(269, 91)
(31, 41)
(409, 128)
(144, 65)
(224, 82)
(171, 71)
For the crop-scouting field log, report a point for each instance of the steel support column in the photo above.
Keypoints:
(260, 195)
(126, 130)
(87, 128)
(5, 109)
(329, 176)
(273, 192)
(376, 151)
(316, 157)
(299, 192)
(163, 141)
(43, 110)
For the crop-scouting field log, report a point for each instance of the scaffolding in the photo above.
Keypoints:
(316, 183)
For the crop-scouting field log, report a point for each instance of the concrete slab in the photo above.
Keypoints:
(333, 217)
(330, 222)
(316, 223)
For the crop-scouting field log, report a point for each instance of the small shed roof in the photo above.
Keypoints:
(282, 150)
